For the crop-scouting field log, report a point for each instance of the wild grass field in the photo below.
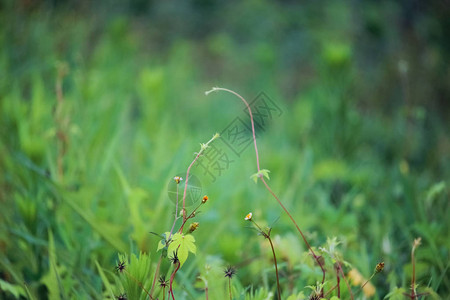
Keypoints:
(103, 104)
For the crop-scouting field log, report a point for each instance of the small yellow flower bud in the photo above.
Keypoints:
(379, 267)
(193, 227)
(249, 216)
(204, 199)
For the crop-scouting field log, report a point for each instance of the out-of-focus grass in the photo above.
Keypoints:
(348, 163)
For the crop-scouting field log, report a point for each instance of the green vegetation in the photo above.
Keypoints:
(102, 105)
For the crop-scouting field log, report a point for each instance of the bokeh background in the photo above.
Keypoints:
(103, 102)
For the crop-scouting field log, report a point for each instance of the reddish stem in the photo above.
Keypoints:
(317, 258)
(251, 119)
(276, 266)
(172, 277)
(267, 186)
(345, 280)
(185, 189)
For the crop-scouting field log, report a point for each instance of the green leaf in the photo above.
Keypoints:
(182, 245)
(105, 280)
(14, 289)
(261, 173)
(396, 294)
(162, 243)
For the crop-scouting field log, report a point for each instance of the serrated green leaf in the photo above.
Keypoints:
(182, 245)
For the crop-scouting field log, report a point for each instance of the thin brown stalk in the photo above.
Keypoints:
(203, 148)
(172, 277)
(267, 236)
(345, 280)
(276, 267)
(316, 258)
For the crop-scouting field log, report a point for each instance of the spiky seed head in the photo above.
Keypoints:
(229, 272)
(120, 266)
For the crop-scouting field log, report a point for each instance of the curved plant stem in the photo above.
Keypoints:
(276, 267)
(367, 281)
(316, 258)
(191, 215)
(267, 236)
(251, 117)
(172, 277)
(203, 148)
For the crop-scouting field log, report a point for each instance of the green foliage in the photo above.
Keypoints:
(16, 290)
(182, 245)
(137, 278)
(260, 174)
(360, 151)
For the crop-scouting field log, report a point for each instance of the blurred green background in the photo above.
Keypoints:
(102, 103)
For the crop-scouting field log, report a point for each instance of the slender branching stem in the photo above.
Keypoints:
(191, 215)
(317, 258)
(202, 149)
